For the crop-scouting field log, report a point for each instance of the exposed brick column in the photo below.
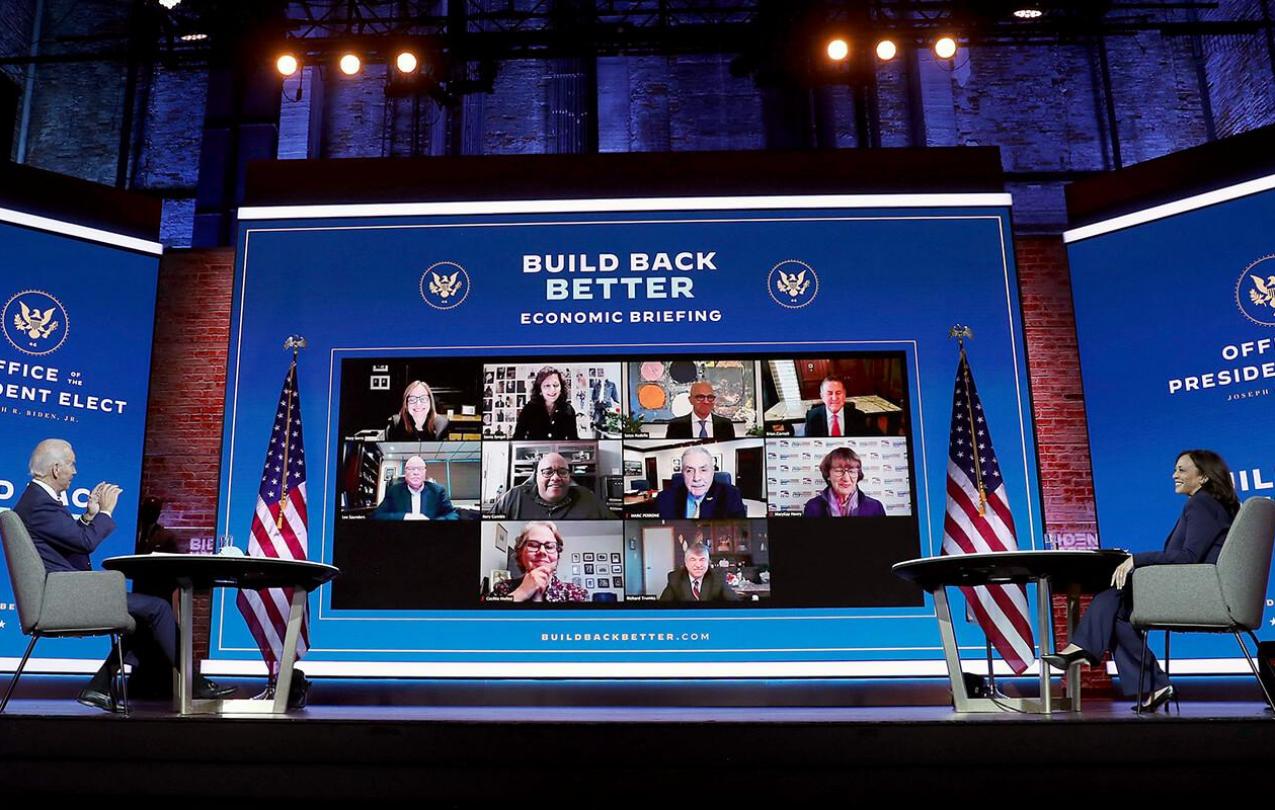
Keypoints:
(1053, 363)
(187, 387)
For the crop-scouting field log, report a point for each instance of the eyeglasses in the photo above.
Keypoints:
(423, 399)
(550, 547)
(704, 397)
(552, 472)
(835, 471)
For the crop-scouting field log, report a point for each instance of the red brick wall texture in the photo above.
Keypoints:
(184, 424)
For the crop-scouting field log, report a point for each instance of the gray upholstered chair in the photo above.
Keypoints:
(64, 603)
(1223, 598)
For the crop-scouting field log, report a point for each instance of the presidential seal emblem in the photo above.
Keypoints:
(1255, 291)
(792, 284)
(35, 322)
(444, 285)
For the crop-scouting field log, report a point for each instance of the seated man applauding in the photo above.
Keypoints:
(65, 542)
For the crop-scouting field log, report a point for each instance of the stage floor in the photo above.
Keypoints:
(383, 742)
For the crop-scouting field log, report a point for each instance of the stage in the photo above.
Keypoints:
(460, 742)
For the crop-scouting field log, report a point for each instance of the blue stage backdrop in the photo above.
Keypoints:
(1175, 314)
(637, 306)
(78, 315)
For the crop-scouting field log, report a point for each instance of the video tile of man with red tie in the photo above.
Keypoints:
(697, 580)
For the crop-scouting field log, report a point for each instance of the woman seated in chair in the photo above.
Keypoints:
(1197, 537)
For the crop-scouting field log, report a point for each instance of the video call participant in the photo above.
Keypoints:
(548, 413)
(551, 495)
(701, 423)
(414, 498)
(697, 495)
(64, 543)
(697, 581)
(417, 421)
(537, 549)
(835, 417)
(842, 471)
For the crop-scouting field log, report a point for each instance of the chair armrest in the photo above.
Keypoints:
(84, 601)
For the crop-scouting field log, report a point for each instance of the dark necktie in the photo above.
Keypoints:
(695, 589)
(703, 429)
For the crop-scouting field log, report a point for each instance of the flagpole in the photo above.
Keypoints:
(294, 343)
(960, 332)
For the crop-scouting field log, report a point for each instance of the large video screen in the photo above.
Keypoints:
(616, 484)
(1175, 315)
(607, 438)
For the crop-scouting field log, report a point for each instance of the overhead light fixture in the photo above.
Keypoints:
(887, 50)
(287, 64)
(945, 47)
(838, 49)
(350, 64)
(169, 4)
(193, 37)
(1030, 12)
(406, 62)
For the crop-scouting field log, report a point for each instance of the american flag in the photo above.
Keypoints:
(978, 520)
(279, 527)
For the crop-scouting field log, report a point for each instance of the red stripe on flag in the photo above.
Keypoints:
(985, 530)
(999, 641)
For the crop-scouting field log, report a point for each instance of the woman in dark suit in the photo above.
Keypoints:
(1197, 537)
(417, 420)
(548, 413)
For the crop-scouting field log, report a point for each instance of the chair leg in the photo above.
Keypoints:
(1142, 670)
(1253, 666)
(1177, 703)
(8, 692)
(117, 641)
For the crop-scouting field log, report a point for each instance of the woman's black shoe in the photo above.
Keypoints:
(1064, 661)
(1157, 700)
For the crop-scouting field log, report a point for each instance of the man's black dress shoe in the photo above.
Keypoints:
(97, 699)
(211, 690)
(1064, 660)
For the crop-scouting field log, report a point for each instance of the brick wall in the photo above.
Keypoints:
(1241, 77)
(77, 107)
(182, 452)
(1053, 364)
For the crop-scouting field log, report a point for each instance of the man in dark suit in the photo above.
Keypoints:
(415, 498)
(65, 542)
(696, 581)
(835, 417)
(698, 495)
(701, 423)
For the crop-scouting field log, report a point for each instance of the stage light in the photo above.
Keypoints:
(886, 50)
(1028, 12)
(406, 62)
(945, 47)
(193, 37)
(287, 64)
(350, 64)
(838, 49)
(169, 4)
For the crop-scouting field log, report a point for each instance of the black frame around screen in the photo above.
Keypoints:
(436, 565)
